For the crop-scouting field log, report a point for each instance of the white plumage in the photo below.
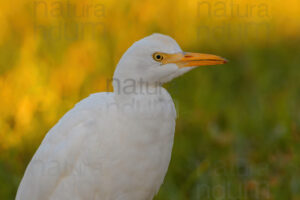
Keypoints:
(115, 146)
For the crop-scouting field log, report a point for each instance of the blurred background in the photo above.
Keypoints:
(238, 131)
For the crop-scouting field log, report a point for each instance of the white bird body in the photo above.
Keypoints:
(83, 158)
(111, 146)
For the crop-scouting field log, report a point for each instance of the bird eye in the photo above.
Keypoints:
(157, 57)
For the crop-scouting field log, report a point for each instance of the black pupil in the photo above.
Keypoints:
(158, 57)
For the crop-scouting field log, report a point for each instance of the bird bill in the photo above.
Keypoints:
(187, 59)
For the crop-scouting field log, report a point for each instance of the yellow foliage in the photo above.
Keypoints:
(51, 65)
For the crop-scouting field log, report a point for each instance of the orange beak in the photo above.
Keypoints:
(187, 59)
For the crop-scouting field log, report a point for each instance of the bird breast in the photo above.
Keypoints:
(136, 149)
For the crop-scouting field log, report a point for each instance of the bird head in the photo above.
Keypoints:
(157, 59)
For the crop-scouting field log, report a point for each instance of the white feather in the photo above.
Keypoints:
(111, 146)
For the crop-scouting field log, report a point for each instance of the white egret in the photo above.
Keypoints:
(115, 145)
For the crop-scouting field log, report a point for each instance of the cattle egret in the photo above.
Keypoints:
(115, 145)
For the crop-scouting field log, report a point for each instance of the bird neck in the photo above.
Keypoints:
(144, 101)
(132, 87)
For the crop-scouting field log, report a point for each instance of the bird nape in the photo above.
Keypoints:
(115, 145)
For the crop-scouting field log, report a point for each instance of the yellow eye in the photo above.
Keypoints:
(158, 57)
